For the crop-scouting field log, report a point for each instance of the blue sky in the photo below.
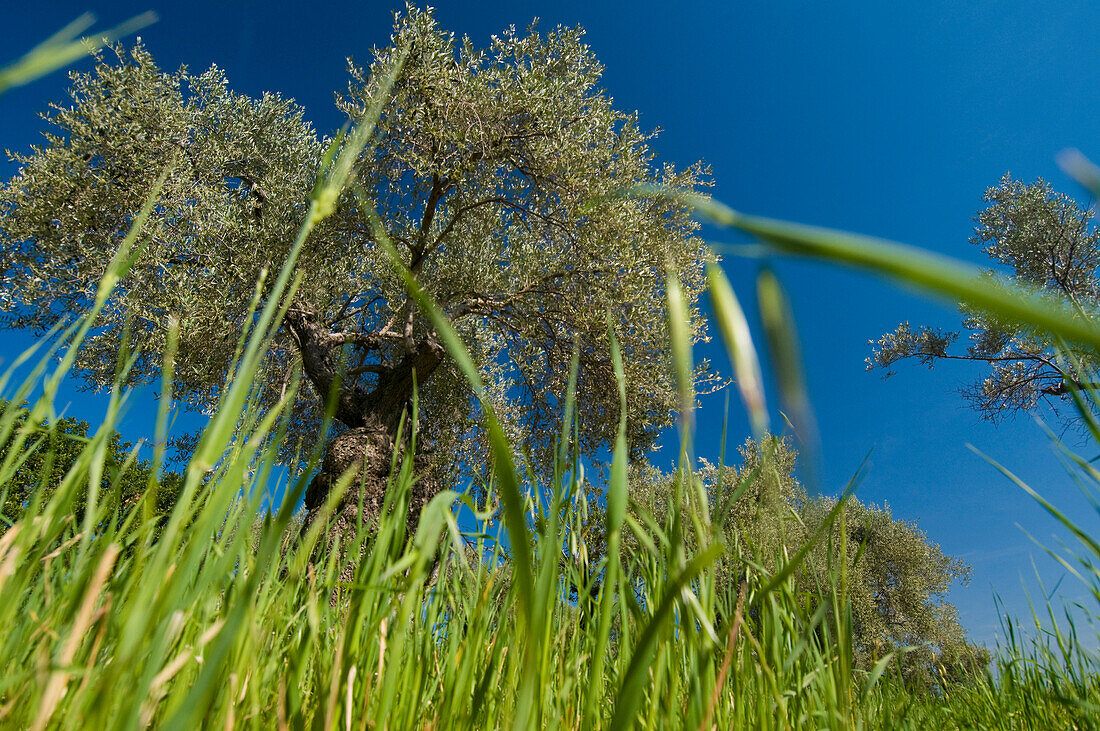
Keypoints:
(883, 118)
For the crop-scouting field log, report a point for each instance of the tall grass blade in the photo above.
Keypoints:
(64, 47)
(786, 358)
(740, 347)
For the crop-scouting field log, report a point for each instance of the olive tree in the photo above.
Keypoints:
(493, 172)
(61, 448)
(897, 579)
(1048, 244)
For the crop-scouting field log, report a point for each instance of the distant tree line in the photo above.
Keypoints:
(896, 578)
(55, 449)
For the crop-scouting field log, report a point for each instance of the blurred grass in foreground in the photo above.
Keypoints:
(64, 47)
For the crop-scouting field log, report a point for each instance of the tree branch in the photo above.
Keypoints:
(369, 368)
(1068, 386)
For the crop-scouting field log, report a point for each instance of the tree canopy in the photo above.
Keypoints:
(55, 450)
(492, 170)
(1048, 244)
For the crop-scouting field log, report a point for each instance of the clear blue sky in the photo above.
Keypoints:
(884, 118)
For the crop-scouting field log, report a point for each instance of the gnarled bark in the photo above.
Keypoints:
(372, 416)
(366, 455)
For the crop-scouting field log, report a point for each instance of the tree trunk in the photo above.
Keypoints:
(367, 453)
(372, 418)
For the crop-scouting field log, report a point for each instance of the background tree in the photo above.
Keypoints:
(1050, 245)
(897, 577)
(125, 478)
(482, 171)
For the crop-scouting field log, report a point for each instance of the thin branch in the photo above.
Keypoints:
(379, 368)
(345, 314)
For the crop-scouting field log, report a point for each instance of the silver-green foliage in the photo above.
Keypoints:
(897, 579)
(482, 170)
(1050, 247)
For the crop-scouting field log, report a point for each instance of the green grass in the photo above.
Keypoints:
(224, 615)
(227, 615)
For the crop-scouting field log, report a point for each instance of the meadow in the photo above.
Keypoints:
(228, 613)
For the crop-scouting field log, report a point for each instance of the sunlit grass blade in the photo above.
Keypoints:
(631, 691)
(786, 359)
(616, 512)
(739, 345)
(1086, 539)
(1074, 164)
(680, 340)
(64, 47)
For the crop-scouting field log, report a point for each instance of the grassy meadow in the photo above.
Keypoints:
(227, 613)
